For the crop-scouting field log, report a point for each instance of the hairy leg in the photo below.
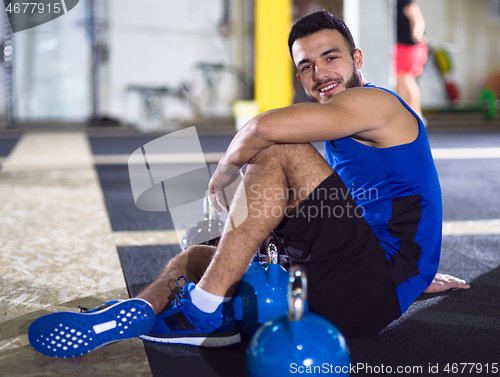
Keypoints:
(277, 180)
(191, 263)
(409, 91)
(270, 177)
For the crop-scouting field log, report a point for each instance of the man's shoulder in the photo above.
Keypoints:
(370, 85)
(386, 120)
(370, 92)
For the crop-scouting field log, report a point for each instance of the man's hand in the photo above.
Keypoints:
(223, 185)
(444, 282)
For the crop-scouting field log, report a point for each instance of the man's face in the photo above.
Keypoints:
(325, 66)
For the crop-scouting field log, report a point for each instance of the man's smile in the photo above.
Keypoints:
(327, 89)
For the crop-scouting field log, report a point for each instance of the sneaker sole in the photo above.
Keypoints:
(67, 334)
(206, 341)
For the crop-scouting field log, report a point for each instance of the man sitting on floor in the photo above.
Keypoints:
(365, 224)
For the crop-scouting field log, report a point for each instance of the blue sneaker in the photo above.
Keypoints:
(183, 323)
(68, 334)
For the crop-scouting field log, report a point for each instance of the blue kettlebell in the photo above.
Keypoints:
(297, 343)
(260, 296)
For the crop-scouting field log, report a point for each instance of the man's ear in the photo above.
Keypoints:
(298, 76)
(358, 58)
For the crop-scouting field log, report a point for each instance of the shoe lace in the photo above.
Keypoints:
(182, 293)
(96, 309)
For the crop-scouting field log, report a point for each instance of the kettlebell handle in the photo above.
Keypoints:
(271, 248)
(273, 256)
(297, 294)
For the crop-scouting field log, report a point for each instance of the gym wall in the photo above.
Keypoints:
(159, 42)
(470, 30)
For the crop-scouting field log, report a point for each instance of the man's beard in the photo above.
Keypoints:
(355, 81)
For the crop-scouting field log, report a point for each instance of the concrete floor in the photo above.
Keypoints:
(57, 252)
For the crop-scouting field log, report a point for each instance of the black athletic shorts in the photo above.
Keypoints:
(346, 267)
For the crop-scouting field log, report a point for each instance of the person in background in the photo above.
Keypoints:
(410, 53)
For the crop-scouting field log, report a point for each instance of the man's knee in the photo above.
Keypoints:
(283, 152)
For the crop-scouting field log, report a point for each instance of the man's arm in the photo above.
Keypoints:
(373, 116)
(417, 23)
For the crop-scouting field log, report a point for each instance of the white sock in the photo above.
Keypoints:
(206, 301)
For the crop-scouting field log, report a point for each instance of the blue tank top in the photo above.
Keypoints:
(398, 192)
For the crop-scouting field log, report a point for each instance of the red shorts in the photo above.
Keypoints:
(410, 58)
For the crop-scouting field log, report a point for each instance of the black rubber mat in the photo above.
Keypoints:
(6, 145)
(142, 264)
(180, 360)
(127, 145)
(123, 213)
(465, 139)
(470, 189)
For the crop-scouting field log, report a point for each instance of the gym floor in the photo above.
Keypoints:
(72, 236)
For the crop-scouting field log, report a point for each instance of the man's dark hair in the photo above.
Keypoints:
(316, 22)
